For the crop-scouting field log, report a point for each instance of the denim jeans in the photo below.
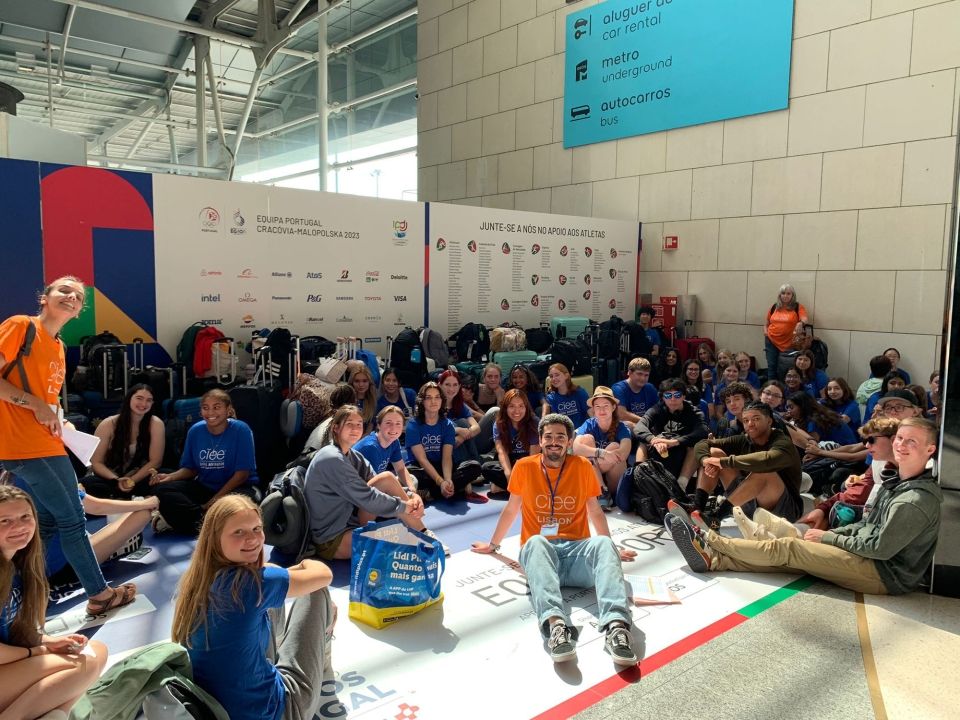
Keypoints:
(773, 358)
(52, 483)
(593, 562)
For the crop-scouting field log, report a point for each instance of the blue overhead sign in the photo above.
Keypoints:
(640, 66)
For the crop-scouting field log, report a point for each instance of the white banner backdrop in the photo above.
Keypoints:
(244, 256)
(493, 266)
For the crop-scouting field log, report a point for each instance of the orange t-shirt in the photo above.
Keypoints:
(21, 436)
(577, 483)
(781, 324)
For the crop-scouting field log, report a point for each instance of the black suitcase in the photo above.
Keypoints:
(259, 407)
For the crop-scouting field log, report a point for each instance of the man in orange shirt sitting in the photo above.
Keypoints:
(557, 495)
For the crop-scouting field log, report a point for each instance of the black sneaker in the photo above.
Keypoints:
(619, 645)
(690, 544)
(561, 644)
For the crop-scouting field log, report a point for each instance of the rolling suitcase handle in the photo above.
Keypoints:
(138, 362)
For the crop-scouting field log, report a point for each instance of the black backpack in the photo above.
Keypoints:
(608, 340)
(286, 518)
(638, 344)
(821, 353)
(473, 342)
(653, 486)
(408, 358)
(314, 348)
(574, 353)
(539, 339)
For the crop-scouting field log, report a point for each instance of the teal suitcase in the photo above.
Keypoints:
(506, 360)
(572, 326)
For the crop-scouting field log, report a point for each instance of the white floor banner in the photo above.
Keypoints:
(484, 637)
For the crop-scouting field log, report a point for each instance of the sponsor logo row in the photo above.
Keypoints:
(369, 276)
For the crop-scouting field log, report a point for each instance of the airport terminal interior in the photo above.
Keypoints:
(522, 161)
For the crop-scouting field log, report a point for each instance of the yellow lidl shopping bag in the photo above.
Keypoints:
(394, 572)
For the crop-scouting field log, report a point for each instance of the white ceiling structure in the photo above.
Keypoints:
(124, 75)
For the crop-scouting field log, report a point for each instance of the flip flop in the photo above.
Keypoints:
(472, 497)
(123, 595)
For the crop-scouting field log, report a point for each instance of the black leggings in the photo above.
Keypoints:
(108, 488)
(464, 474)
(181, 503)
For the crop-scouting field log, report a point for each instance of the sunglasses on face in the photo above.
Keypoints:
(674, 395)
(873, 439)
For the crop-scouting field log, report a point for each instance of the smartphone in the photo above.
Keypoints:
(138, 554)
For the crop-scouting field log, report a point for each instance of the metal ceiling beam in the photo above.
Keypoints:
(90, 53)
(342, 45)
(146, 164)
(358, 102)
(294, 12)
(185, 26)
(66, 41)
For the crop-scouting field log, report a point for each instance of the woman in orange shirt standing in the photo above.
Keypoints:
(784, 319)
(31, 446)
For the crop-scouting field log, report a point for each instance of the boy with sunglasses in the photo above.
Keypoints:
(671, 428)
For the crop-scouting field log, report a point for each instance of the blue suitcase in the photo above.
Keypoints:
(506, 360)
(570, 327)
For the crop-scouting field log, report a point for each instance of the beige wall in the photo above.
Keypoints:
(847, 194)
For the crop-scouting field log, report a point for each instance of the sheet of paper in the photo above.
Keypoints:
(646, 590)
(80, 444)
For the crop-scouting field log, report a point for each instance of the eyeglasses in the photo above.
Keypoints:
(675, 395)
(767, 393)
(889, 407)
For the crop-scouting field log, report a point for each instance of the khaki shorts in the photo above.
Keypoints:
(326, 550)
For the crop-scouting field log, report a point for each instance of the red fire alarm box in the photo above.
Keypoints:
(671, 242)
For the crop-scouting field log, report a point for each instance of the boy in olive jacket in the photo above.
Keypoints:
(886, 553)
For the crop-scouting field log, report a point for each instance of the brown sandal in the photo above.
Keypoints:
(123, 595)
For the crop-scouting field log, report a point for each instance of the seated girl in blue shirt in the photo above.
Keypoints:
(840, 399)
(522, 378)
(40, 673)
(391, 393)
(564, 397)
(604, 439)
(514, 436)
(814, 380)
(229, 614)
(747, 375)
(819, 421)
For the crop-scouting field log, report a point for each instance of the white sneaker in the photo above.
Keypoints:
(775, 525)
(750, 529)
(433, 536)
(158, 523)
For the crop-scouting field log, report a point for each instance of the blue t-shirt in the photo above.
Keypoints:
(842, 434)
(850, 409)
(871, 404)
(653, 336)
(536, 401)
(515, 447)
(592, 427)
(215, 458)
(573, 405)
(235, 669)
(819, 382)
(751, 379)
(635, 402)
(379, 457)
(432, 437)
(411, 398)
(462, 415)
(12, 608)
